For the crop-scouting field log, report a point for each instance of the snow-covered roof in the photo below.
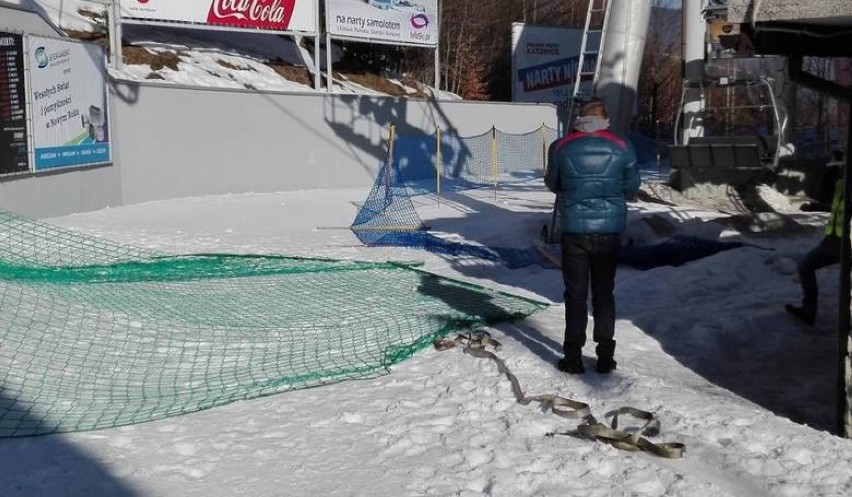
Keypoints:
(201, 57)
(20, 20)
(832, 12)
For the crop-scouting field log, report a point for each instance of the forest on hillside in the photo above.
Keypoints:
(476, 63)
(475, 56)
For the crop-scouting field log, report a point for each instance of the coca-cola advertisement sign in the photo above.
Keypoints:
(263, 14)
(267, 15)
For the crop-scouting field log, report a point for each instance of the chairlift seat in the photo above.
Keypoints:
(747, 156)
(731, 163)
(723, 155)
(724, 139)
(765, 146)
(679, 157)
(700, 156)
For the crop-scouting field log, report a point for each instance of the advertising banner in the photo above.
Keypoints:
(272, 15)
(68, 103)
(14, 152)
(413, 22)
(544, 63)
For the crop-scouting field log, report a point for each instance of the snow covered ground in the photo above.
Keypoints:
(706, 346)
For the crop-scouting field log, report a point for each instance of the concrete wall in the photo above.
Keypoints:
(171, 141)
(56, 193)
(175, 141)
(52, 193)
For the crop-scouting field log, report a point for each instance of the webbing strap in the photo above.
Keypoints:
(632, 441)
(591, 428)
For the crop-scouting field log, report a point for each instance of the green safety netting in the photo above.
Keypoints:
(94, 334)
(441, 162)
(414, 167)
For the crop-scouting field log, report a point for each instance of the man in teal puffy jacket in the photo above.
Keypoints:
(593, 172)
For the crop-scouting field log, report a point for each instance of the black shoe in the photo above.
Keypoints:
(573, 365)
(801, 314)
(605, 366)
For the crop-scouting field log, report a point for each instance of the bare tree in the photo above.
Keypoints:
(476, 56)
(660, 79)
(479, 32)
(816, 113)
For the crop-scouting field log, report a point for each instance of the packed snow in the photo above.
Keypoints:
(705, 346)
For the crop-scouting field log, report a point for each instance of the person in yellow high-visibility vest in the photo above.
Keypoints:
(823, 255)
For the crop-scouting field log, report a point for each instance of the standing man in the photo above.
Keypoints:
(825, 254)
(593, 172)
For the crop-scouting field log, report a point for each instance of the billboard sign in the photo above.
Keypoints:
(411, 22)
(270, 15)
(544, 64)
(14, 150)
(68, 103)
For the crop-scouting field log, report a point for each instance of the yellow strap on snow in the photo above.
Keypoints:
(476, 344)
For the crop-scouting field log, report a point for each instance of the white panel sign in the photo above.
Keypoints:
(68, 97)
(544, 63)
(274, 15)
(412, 22)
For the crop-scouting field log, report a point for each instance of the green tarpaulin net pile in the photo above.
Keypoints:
(94, 334)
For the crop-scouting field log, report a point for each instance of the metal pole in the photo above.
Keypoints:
(694, 30)
(118, 61)
(789, 95)
(437, 72)
(317, 65)
(620, 59)
(119, 56)
(328, 83)
(844, 417)
(438, 51)
(110, 12)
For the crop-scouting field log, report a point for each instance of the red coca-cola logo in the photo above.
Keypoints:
(260, 14)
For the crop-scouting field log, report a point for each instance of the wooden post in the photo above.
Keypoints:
(494, 158)
(439, 167)
(389, 161)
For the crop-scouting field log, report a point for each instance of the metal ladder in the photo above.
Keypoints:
(591, 45)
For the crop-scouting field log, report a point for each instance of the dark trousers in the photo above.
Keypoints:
(823, 255)
(589, 258)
